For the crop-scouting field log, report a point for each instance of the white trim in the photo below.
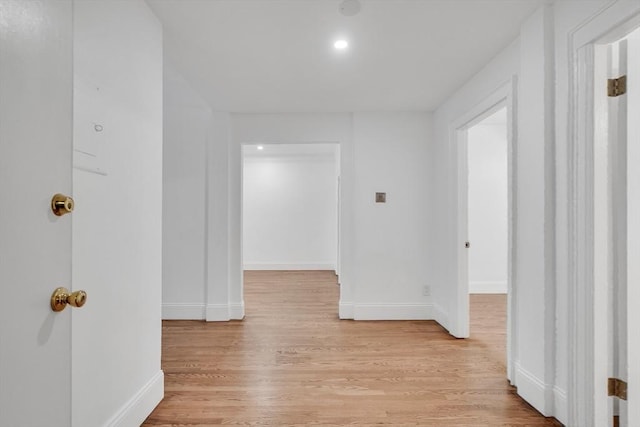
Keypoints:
(580, 259)
(236, 311)
(586, 386)
(440, 316)
(532, 389)
(393, 312)
(512, 238)
(138, 408)
(183, 311)
(217, 313)
(341, 160)
(560, 405)
(225, 312)
(290, 267)
(345, 310)
(486, 287)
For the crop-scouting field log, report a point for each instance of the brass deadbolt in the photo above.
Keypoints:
(61, 297)
(61, 204)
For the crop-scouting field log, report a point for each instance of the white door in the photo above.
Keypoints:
(618, 227)
(632, 300)
(35, 245)
(624, 226)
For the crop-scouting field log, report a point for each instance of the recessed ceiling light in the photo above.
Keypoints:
(341, 44)
(260, 147)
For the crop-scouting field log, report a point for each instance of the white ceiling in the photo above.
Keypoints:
(278, 55)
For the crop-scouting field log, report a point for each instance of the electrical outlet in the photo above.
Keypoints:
(426, 291)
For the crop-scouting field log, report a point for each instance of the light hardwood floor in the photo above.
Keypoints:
(292, 362)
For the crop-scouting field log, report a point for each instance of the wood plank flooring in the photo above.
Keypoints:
(291, 362)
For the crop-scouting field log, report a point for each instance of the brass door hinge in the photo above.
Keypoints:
(617, 87)
(618, 388)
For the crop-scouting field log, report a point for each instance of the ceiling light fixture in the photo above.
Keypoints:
(341, 44)
(260, 147)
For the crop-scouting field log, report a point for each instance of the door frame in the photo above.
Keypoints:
(504, 96)
(587, 336)
(339, 204)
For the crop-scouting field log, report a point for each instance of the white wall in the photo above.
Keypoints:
(196, 249)
(391, 238)
(187, 120)
(290, 215)
(117, 224)
(487, 189)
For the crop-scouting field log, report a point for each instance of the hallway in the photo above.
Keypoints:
(292, 362)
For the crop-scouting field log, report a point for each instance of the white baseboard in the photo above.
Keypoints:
(306, 266)
(393, 311)
(236, 311)
(345, 310)
(217, 313)
(183, 311)
(488, 287)
(225, 312)
(138, 408)
(440, 316)
(531, 389)
(560, 405)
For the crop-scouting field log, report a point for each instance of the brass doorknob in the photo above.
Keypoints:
(61, 297)
(61, 204)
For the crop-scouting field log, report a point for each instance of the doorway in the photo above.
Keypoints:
(290, 207)
(487, 204)
(474, 272)
(487, 188)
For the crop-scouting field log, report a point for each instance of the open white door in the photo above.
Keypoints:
(35, 245)
(617, 106)
(633, 230)
(618, 254)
